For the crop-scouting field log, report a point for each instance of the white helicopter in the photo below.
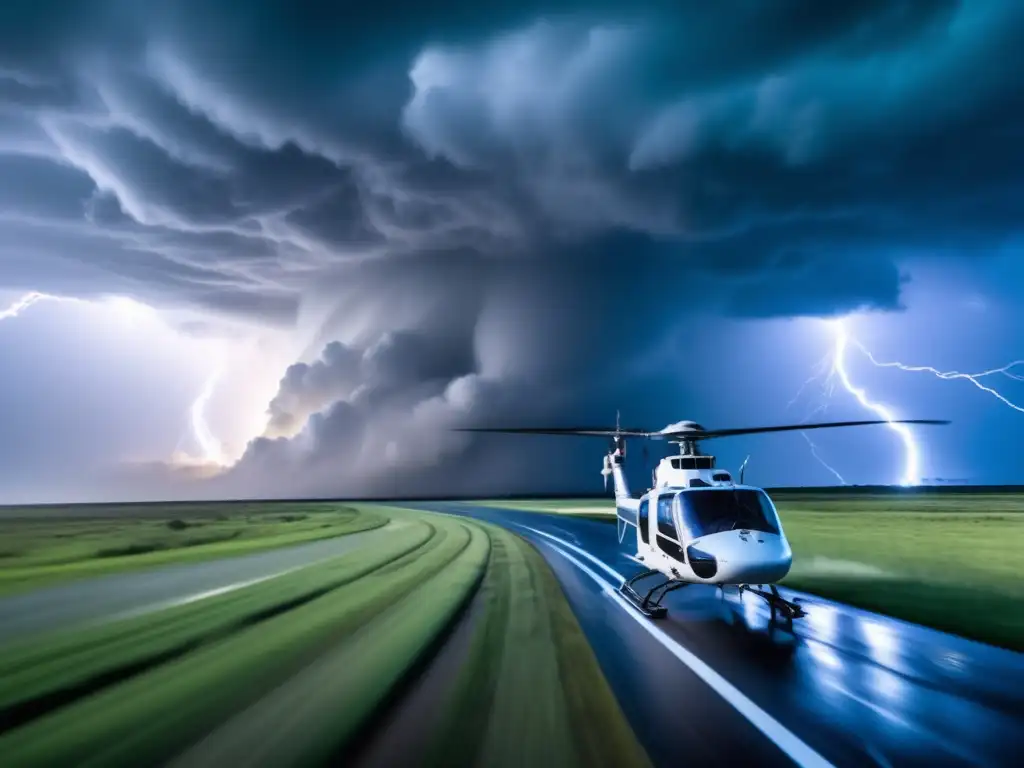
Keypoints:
(697, 525)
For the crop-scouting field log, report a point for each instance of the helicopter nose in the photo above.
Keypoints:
(740, 557)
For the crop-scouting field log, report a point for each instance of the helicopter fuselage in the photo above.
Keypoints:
(697, 525)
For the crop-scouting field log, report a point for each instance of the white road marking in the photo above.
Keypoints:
(645, 623)
(582, 552)
(782, 737)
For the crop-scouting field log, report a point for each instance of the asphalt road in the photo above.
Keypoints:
(102, 598)
(714, 683)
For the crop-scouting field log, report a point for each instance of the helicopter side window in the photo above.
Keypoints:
(666, 525)
(668, 538)
(671, 548)
(642, 522)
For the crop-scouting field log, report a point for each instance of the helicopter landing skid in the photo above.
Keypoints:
(650, 604)
(776, 603)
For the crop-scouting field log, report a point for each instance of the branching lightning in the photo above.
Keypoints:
(834, 369)
(1006, 370)
(821, 460)
(822, 373)
(911, 460)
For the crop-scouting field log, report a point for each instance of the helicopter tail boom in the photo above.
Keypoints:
(626, 507)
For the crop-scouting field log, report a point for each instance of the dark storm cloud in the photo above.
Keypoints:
(501, 193)
(199, 118)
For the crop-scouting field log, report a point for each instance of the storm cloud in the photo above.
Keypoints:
(480, 212)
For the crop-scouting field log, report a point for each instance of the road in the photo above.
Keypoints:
(713, 683)
(102, 598)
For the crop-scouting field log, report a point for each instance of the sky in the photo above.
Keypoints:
(273, 249)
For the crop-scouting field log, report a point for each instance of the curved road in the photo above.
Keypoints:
(713, 683)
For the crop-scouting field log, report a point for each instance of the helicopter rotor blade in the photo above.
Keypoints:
(691, 434)
(709, 434)
(584, 431)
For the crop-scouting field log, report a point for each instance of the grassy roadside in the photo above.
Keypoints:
(45, 673)
(290, 670)
(48, 550)
(149, 717)
(952, 563)
(530, 691)
(948, 561)
(315, 714)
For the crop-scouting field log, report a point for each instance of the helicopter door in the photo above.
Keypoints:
(642, 523)
(667, 537)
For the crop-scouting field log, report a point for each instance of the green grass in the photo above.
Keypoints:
(290, 670)
(954, 562)
(530, 691)
(63, 662)
(47, 549)
(326, 704)
(148, 717)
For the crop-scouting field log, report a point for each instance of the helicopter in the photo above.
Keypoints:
(697, 524)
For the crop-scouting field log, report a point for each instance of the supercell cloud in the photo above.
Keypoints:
(478, 212)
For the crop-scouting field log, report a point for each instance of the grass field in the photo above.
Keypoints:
(950, 561)
(46, 549)
(947, 560)
(530, 691)
(291, 670)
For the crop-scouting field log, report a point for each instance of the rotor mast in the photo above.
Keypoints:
(688, 447)
(685, 435)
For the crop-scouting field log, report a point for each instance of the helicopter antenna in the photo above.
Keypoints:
(743, 468)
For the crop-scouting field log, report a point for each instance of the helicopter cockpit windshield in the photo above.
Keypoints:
(703, 512)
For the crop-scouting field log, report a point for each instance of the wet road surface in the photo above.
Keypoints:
(716, 683)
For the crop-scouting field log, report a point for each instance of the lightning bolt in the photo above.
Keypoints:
(20, 305)
(833, 369)
(26, 301)
(821, 373)
(1006, 370)
(821, 460)
(210, 447)
(911, 453)
(212, 450)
